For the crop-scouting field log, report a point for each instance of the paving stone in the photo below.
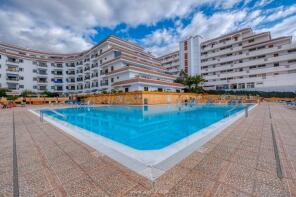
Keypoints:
(210, 166)
(241, 178)
(238, 162)
(195, 184)
(226, 191)
(6, 184)
(83, 187)
(34, 184)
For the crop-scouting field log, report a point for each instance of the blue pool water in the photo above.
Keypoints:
(145, 127)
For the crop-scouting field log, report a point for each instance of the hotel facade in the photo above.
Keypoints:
(241, 60)
(111, 64)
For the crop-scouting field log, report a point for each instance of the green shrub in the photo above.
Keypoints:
(50, 94)
(3, 92)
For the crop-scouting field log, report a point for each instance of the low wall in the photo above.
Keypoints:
(151, 98)
(42, 100)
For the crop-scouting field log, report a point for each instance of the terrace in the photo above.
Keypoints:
(240, 161)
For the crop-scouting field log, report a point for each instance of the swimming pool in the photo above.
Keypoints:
(141, 136)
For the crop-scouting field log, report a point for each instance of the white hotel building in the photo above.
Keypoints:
(111, 64)
(241, 60)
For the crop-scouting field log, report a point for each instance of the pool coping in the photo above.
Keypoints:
(152, 163)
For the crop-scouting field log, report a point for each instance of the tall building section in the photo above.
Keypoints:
(190, 55)
(244, 60)
(241, 60)
(111, 64)
(171, 62)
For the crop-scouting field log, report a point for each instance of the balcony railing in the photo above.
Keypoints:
(42, 81)
(12, 79)
(11, 70)
(104, 83)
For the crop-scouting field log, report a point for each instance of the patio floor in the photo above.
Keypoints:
(240, 161)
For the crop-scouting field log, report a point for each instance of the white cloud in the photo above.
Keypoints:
(286, 28)
(166, 40)
(281, 12)
(66, 26)
(19, 29)
(226, 21)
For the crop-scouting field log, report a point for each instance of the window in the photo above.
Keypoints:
(126, 89)
(292, 61)
(289, 51)
(146, 89)
(112, 68)
(275, 55)
(21, 86)
(250, 85)
(185, 46)
(251, 40)
(159, 89)
(276, 64)
(112, 80)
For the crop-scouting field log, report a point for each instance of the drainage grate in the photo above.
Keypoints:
(276, 151)
(14, 163)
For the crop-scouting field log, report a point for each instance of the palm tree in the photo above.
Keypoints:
(182, 76)
(197, 80)
(189, 82)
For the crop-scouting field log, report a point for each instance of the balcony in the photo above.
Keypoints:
(42, 64)
(13, 60)
(42, 81)
(58, 88)
(41, 72)
(12, 78)
(57, 73)
(42, 88)
(12, 86)
(57, 81)
(13, 70)
(71, 73)
(71, 65)
(105, 83)
(71, 80)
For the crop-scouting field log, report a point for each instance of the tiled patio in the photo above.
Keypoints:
(238, 162)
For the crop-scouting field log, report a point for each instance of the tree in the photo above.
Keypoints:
(27, 93)
(197, 80)
(3, 92)
(50, 94)
(189, 82)
(182, 76)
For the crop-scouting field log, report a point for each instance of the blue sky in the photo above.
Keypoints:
(158, 25)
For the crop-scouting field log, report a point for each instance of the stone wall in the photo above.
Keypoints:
(151, 98)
